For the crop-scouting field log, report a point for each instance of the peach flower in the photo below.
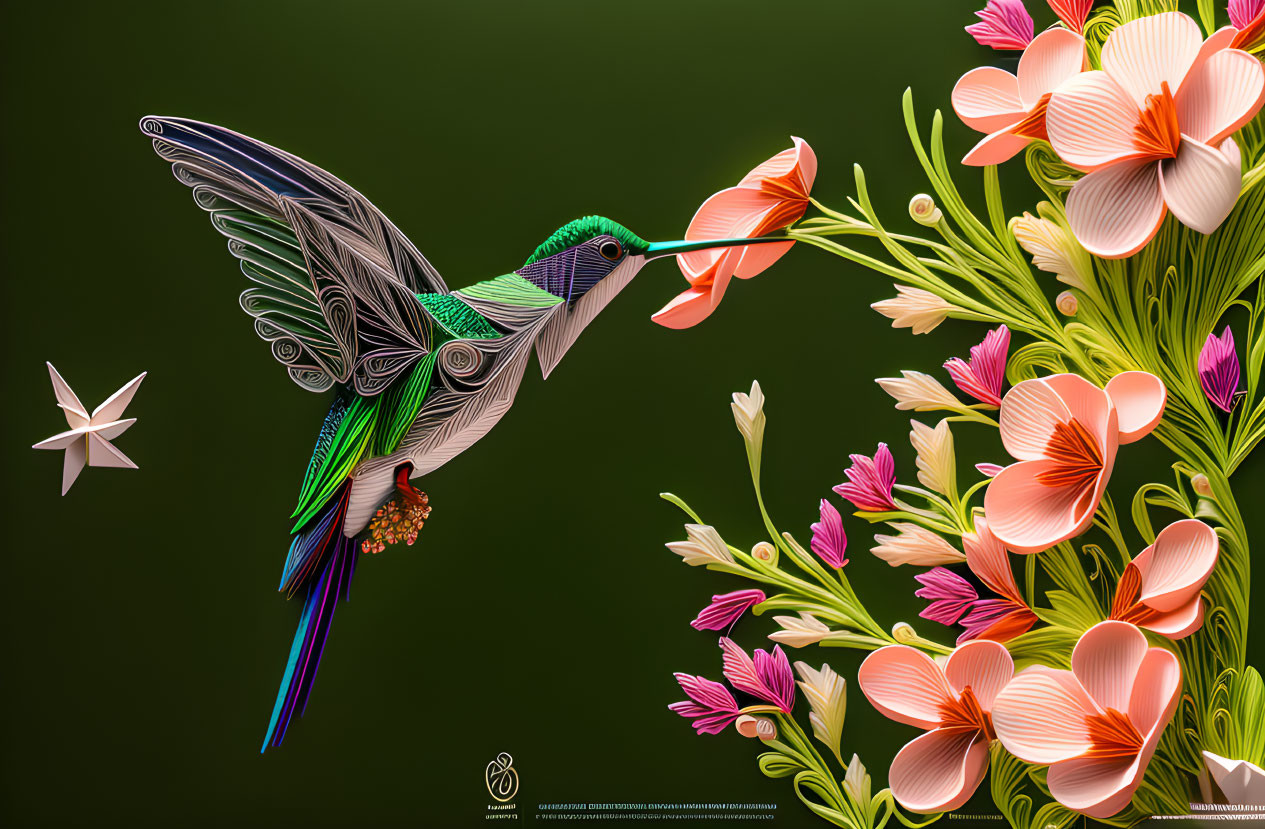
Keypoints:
(1005, 617)
(940, 770)
(1010, 108)
(1159, 589)
(1064, 431)
(770, 197)
(1152, 130)
(1096, 725)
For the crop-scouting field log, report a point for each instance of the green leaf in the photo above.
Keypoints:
(776, 765)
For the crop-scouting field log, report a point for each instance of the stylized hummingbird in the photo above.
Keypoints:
(420, 372)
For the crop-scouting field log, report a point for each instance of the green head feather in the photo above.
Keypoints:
(580, 230)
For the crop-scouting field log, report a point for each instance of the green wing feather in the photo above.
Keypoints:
(333, 463)
(358, 427)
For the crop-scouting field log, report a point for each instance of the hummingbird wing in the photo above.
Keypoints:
(336, 283)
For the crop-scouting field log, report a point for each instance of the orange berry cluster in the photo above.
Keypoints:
(393, 523)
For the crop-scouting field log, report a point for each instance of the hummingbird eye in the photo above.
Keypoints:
(610, 249)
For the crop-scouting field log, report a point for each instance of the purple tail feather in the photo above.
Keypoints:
(336, 555)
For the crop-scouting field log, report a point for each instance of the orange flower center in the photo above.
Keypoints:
(1125, 607)
(965, 712)
(1113, 735)
(1157, 133)
(1034, 125)
(1076, 456)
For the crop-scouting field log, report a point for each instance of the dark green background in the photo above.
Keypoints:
(539, 614)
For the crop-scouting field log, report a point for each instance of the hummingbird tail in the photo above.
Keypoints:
(337, 556)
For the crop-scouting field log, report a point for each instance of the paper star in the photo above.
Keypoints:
(88, 440)
(1242, 782)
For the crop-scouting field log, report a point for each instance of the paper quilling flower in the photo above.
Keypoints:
(726, 609)
(1012, 108)
(983, 375)
(710, 705)
(765, 674)
(1004, 24)
(870, 481)
(940, 770)
(1219, 369)
(1152, 130)
(1006, 616)
(1064, 431)
(1159, 589)
(770, 197)
(829, 541)
(1097, 725)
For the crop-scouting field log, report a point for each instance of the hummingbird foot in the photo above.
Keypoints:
(399, 519)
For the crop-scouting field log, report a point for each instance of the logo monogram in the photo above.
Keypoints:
(501, 778)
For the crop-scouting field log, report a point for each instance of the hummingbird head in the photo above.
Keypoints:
(583, 252)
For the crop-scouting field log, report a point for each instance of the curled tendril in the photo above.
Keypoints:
(1050, 173)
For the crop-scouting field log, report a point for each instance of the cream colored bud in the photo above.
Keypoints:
(1053, 248)
(1199, 482)
(1066, 303)
(914, 308)
(915, 545)
(923, 210)
(703, 546)
(856, 782)
(937, 465)
(748, 412)
(919, 392)
(799, 632)
(764, 551)
(903, 632)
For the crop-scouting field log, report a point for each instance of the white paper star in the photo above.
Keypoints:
(1242, 782)
(88, 440)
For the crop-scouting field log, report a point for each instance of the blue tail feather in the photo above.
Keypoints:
(336, 557)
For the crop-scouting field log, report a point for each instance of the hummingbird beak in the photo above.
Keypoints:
(658, 249)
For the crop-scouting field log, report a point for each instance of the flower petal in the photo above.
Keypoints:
(1220, 96)
(1179, 623)
(1115, 211)
(996, 148)
(1088, 404)
(905, 685)
(1139, 398)
(983, 665)
(794, 169)
(1200, 185)
(1040, 716)
(987, 99)
(940, 770)
(1156, 690)
(1098, 787)
(829, 541)
(1053, 56)
(987, 558)
(743, 674)
(1143, 53)
(686, 309)
(1029, 414)
(1091, 120)
(1106, 662)
(756, 259)
(1175, 567)
(731, 213)
(1028, 516)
